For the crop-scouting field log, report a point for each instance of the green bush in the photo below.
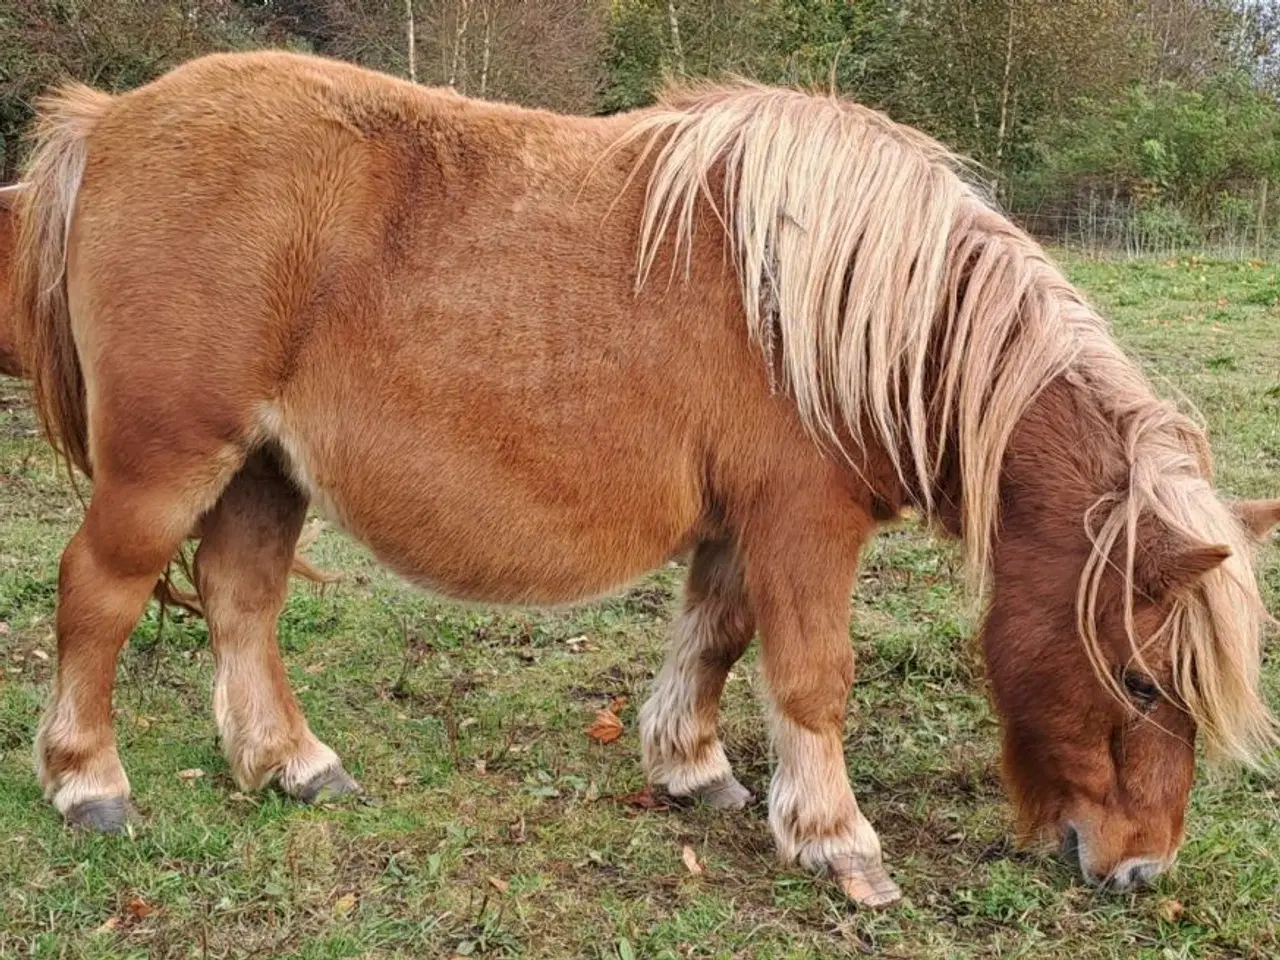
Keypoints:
(1161, 144)
(1163, 227)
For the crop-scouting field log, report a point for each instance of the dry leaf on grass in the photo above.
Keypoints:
(344, 905)
(195, 773)
(499, 884)
(690, 859)
(606, 728)
(645, 800)
(616, 704)
(139, 909)
(1171, 911)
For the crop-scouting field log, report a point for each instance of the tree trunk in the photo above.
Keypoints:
(409, 31)
(676, 48)
(1005, 87)
(459, 41)
(969, 69)
(484, 56)
(1262, 216)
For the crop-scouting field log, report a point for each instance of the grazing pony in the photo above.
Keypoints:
(527, 357)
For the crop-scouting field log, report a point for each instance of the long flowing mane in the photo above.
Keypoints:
(947, 330)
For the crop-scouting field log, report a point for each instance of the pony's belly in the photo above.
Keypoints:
(502, 549)
(445, 512)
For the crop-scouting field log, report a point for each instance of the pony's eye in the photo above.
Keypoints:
(1141, 688)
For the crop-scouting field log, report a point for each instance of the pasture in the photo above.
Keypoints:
(496, 826)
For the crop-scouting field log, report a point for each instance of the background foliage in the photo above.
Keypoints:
(1146, 122)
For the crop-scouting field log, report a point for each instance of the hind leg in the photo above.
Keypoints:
(681, 747)
(131, 530)
(242, 574)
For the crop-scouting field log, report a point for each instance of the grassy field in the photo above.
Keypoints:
(496, 827)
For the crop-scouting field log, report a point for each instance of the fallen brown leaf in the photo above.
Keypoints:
(606, 728)
(499, 884)
(617, 703)
(690, 859)
(1170, 911)
(139, 909)
(195, 773)
(645, 800)
(344, 905)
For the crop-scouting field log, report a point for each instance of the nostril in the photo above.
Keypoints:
(1071, 845)
(1136, 872)
(1075, 854)
(1131, 876)
(1148, 870)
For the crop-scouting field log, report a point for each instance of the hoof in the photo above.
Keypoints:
(724, 794)
(327, 785)
(107, 815)
(866, 883)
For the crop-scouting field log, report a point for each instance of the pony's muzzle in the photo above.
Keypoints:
(1134, 872)
(1128, 874)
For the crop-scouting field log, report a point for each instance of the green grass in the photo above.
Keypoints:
(467, 726)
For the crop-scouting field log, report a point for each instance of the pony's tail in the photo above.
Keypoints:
(9, 364)
(42, 320)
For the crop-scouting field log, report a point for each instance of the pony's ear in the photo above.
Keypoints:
(1168, 562)
(1258, 516)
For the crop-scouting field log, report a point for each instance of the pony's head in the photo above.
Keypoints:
(1098, 737)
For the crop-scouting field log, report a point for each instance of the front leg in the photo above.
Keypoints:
(800, 581)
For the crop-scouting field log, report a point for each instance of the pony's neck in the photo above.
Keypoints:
(1063, 456)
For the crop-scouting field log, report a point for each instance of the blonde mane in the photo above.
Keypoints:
(900, 300)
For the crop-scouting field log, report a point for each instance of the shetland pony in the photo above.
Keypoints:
(527, 357)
